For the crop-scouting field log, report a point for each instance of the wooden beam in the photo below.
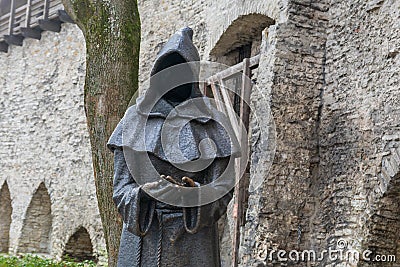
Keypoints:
(229, 108)
(64, 17)
(3, 47)
(217, 97)
(236, 69)
(245, 93)
(245, 117)
(50, 25)
(34, 33)
(203, 88)
(14, 39)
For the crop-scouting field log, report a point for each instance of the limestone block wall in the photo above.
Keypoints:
(332, 69)
(360, 125)
(291, 76)
(45, 156)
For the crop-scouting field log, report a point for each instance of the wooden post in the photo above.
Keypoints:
(28, 14)
(27, 31)
(12, 18)
(229, 107)
(245, 93)
(46, 24)
(12, 39)
(217, 96)
(241, 183)
(46, 9)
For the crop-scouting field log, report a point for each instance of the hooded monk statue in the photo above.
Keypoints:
(174, 155)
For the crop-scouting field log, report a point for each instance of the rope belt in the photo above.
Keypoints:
(160, 238)
(139, 252)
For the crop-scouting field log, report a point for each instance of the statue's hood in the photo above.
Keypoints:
(174, 76)
(180, 43)
(173, 130)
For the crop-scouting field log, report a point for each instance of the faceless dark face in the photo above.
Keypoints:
(181, 92)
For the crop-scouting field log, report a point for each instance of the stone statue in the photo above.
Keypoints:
(167, 220)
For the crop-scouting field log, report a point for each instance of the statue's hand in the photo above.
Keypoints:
(162, 188)
(189, 182)
(149, 186)
(167, 187)
(171, 179)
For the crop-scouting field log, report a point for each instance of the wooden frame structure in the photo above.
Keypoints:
(224, 101)
(29, 20)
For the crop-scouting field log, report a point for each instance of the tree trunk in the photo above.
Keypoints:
(112, 34)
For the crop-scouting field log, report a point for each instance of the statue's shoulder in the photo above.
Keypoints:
(130, 117)
(132, 108)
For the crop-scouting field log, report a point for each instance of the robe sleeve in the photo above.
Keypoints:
(207, 215)
(136, 208)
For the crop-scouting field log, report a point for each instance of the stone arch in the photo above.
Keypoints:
(36, 229)
(383, 227)
(242, 31)
(229, 11)
(5, 218)
(79, 246)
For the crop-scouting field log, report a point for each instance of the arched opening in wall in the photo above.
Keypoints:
(36, 229)
(383, 238)
(238, 47)
(242, 39)
(79, 246)
(5, 218)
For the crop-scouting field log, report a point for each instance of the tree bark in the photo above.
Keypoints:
(112, 34)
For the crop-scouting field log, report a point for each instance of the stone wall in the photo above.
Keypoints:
(359, 148)
(291, 78)
(45, 145)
